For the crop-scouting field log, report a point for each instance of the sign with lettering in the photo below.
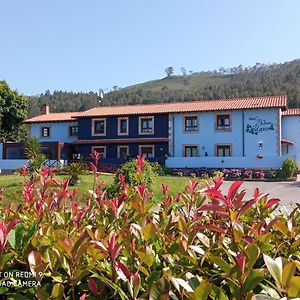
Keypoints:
(258, 125)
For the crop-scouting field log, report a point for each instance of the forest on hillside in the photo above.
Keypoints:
(258, 80)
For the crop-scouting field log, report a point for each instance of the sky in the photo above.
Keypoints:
(77, 45)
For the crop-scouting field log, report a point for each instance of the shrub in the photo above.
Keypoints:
(248, 174)
(226, 172)
(34, 155)
(201, 244)
(132, 176)
(259, 174)
(289, 167)
(271, 174)
(74, 171)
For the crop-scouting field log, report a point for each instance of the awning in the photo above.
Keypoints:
(287, 142)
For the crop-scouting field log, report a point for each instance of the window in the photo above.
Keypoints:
(98, 127)
(223, 122)
(101, 150)
(73, 130)
(147, 151)
(45, 131)
(190, 123)
(190, 150)
(122, 126)
(146, 125)
(123, 152)
(223, 150)
(48, 152)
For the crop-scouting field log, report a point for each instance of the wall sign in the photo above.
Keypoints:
(258, 125)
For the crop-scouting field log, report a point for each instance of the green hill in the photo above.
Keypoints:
(259, 80)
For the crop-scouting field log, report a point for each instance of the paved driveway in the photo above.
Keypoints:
(287, 192)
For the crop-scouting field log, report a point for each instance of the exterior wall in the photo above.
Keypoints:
(59, 131)
(160, 150)
(291, 132)
(225, 162)
(244, 141)
(160, 128)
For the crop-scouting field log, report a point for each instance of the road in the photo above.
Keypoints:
(287, 192)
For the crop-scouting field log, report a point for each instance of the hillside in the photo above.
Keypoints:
(259, 80)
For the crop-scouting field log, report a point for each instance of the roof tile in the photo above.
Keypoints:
(292, 112)
(192, 106)
(53, 117)
(173, 107)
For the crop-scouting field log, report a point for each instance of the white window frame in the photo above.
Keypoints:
(152, 146)
(49, 131)
(122, 146)
(93, 127)
(97, 147)
(119, 126)
(140, 125)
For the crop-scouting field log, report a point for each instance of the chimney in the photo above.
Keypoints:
(45, 109)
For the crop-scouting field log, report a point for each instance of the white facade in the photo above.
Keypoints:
(253, 137)
(291, 133)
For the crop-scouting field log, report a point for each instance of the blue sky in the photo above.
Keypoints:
(86, 45)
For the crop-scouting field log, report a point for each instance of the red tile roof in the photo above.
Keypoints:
(173, 107)
(53, 117)
(192, 106)
(292, 112)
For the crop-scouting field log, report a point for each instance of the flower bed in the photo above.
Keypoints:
(234, 174)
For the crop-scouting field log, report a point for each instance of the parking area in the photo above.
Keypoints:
(287, 192)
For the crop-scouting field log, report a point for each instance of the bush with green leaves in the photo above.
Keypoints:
(132, 176)
(201, 244)
(289, 167)
(74, 171)
(34, 155)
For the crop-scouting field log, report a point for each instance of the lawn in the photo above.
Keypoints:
(13, 186)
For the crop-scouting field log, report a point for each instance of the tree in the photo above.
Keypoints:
(183, 71)
(169, 71)
(13, 111)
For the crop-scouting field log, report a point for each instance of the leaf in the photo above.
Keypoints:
(57, 291)
(233, 189)
(246, 206)
(92, 286)
(275, 268)
(197, 249)
(147, 259)
(114, 286)
(213, 207)
(287, 273)
(271, 202)
(253, 280)
(149, 231)
(294, 287)
(204, 239)
(252, 252)
(203, 290)
(221, 263)
(159, 290)
(182, 283)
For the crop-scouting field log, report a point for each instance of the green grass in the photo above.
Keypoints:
(13, 186)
